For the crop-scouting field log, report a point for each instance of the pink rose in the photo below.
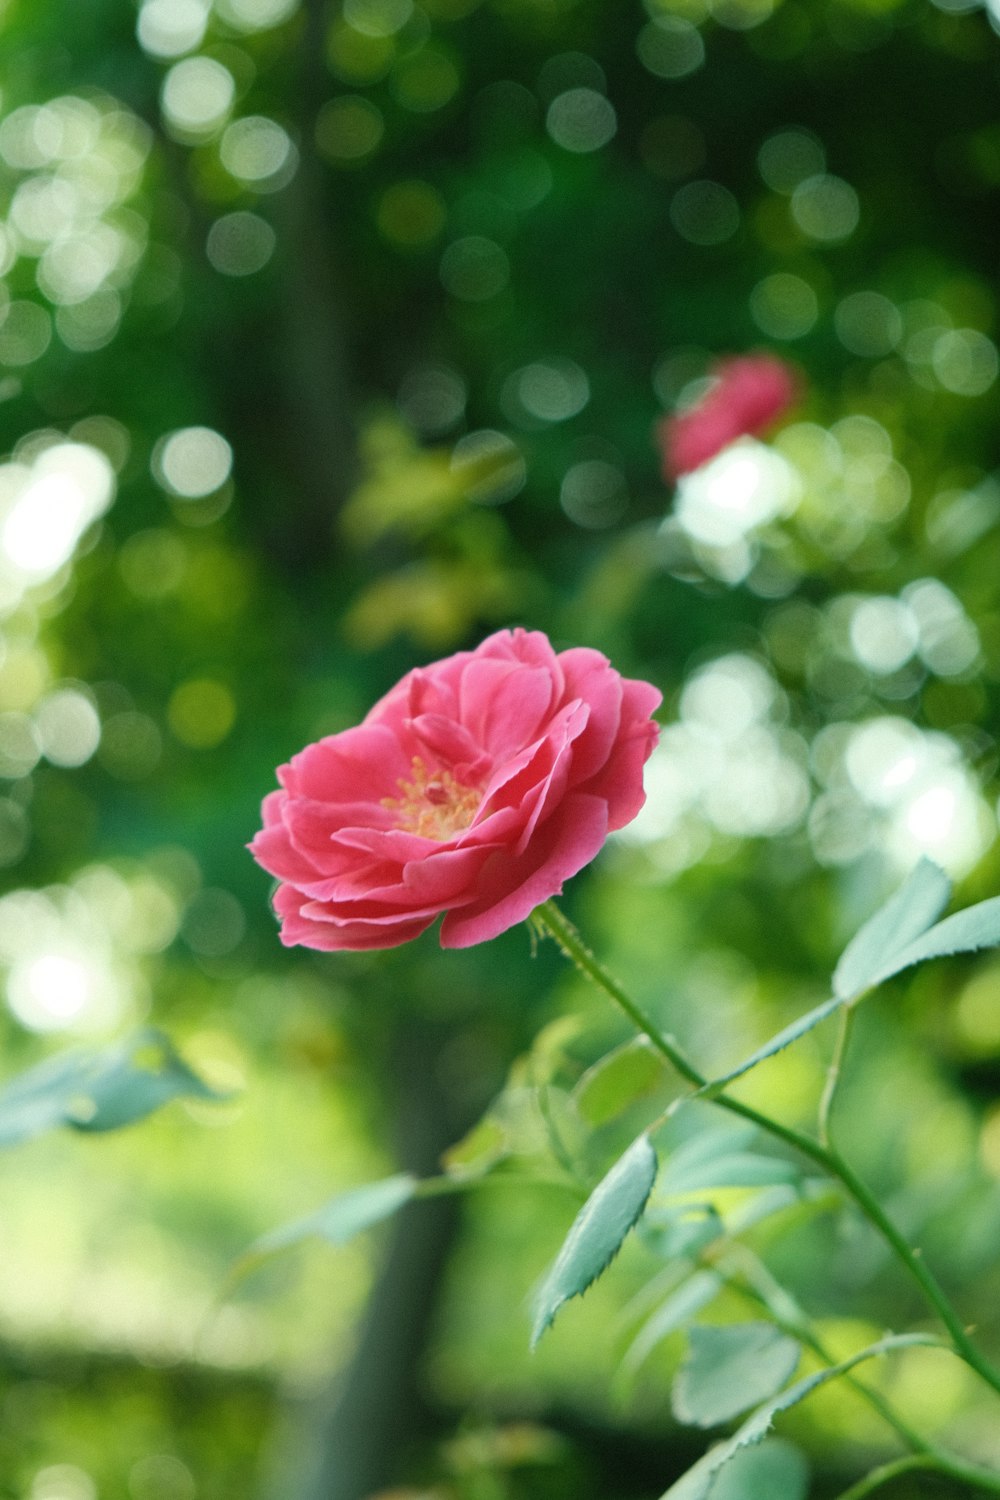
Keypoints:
(474, 788)
(750, 392)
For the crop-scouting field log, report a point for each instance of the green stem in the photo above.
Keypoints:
(938, 1463)
(833, 1073)
(914, 1262)
(752, 1284)
(551, 920)
(886, 1473)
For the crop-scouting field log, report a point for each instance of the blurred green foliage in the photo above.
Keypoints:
(333, 337)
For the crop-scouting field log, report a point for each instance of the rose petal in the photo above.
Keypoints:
(749, 394)
(549, 792)
(300, 930)
(510, 889)
(557, 744)
(591, 678)
(503, 704)
(449, 743)
(620, 780)
(529, 646)
(273, 849)
(446, 878)
(270, 809)
(358, 765)
(312, 828)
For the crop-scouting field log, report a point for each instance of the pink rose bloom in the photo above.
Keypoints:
(474, 789)
(750, 392)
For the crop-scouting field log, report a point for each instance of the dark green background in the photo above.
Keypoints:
(345, 549)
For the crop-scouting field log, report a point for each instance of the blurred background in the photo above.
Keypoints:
(334, 336)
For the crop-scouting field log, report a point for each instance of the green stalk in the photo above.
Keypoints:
(798, 1328)
(751, 1282)
(550, 919)
(937, 1463)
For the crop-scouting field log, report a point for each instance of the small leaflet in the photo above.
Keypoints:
(597, 1232)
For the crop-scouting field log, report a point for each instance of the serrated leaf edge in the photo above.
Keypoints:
(777, 1043)
(546, 1307)
(847, 987)
(940, 941)
(756, 1427)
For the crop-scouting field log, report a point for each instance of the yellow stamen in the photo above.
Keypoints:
(433, 805)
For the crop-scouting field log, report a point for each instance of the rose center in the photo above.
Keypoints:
(433, 804)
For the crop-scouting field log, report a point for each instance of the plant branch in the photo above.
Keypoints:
(550, 919)
(938, 1463)
(751, 1282)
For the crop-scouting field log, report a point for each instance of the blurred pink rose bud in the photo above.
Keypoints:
(473, 789)
(751, 391)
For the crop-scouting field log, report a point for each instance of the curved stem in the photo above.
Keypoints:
(913, 1260)
(551, 920)
(938, 1463)
(833, 1072)
(752, 1285)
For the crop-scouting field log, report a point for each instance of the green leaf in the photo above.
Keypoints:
(716, 1140)
(520, 1122)
(479, 1149)
(774, 1471)
(745, 1169)
(729, 1368)
(337, 1222)
(778, 1043)
(809, 1194)
(966, 932)
(873, 953)
(38, 1100)
(519, 1116)
(147, 1074)
(618, 1080)
(597, 1232)
(679, 1232)
(679, 1309)
(697, 1483)
(564, 1133)
(548, 1050)
(101, 1090)
(719, 1158)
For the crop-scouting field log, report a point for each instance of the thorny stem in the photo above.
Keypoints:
(551, 920)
